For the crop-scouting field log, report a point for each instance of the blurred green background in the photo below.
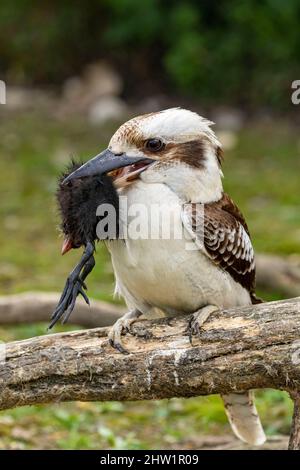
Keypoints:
(234, 62)
(245, 52)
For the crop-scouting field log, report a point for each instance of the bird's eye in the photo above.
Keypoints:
(154, 145)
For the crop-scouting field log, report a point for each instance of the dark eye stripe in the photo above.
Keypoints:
(154, 145)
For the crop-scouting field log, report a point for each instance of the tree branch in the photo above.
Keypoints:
(239, 349)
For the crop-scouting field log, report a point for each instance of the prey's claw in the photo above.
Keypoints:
(74, 294)
(83, 294)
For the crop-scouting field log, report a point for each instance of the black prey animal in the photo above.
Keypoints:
(78, 201)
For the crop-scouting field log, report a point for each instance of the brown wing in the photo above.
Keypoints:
(221, 229)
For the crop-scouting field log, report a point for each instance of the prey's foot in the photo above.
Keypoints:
(74, 286)
(122, 326)
(199, 318)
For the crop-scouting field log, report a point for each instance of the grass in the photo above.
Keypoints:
(262, 175)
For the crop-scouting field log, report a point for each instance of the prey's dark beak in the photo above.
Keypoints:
(105, 162)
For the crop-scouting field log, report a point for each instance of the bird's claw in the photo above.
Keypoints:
(198, 319)
(118, 346)
(193, 329)
(121, 327)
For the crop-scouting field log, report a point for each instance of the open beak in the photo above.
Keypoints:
(107, 162)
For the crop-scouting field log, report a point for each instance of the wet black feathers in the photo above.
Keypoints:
(78, 201)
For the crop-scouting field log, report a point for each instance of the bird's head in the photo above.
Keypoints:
(175, 147)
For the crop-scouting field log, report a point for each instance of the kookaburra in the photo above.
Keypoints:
(173, 158)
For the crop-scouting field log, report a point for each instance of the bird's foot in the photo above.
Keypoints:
(199, 318)
(122, 326)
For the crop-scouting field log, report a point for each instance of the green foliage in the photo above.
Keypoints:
(246, 53)
(46, 41)
(163, 424)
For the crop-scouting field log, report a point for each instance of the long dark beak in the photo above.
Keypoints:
(103, 163)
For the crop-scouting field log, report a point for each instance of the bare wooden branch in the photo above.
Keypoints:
(239, 349)
(31, 307)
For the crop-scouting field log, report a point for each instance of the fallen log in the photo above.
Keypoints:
(278, 274)
(239, 349)
(32, 307)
